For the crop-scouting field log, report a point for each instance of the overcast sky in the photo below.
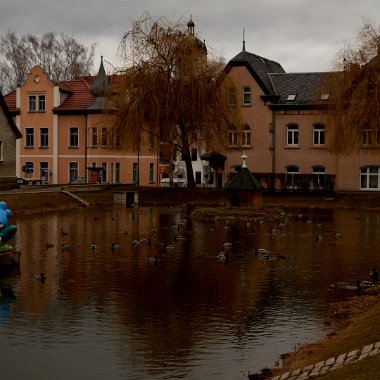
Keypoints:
(302, 35)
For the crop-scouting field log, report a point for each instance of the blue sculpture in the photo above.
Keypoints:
(6, 231)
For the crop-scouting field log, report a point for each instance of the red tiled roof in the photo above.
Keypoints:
(80, 97)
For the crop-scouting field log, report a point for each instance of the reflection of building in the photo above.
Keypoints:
(68, 136)
(9, 133)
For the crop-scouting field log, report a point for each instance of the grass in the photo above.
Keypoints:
(359, 318)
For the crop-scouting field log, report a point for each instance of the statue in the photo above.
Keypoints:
(6, 231)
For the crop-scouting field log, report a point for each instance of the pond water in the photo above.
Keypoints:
(121, 314)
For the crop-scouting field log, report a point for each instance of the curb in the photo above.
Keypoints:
(322, 367)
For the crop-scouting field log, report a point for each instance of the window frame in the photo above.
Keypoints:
(233, 137)
(73, 171)
(247, 96)
(73, 137)
(292, 136)
(246, 136)
(369, 178)
(29, 138)
(44, 138)
(319, 135)
(36, 103)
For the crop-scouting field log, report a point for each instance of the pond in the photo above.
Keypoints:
(161, 304)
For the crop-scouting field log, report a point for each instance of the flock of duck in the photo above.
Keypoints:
(228, 249)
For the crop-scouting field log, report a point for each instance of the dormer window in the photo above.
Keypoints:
(325, 96)
(291, 97)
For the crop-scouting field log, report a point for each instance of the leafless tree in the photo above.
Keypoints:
(355, 93)
(61, 57)
(173, 91)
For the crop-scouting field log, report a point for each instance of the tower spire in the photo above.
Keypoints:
(243, 39)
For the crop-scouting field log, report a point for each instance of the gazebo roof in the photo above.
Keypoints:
(244, 180)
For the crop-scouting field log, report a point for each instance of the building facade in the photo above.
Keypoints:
(68, 135)
(9, 135)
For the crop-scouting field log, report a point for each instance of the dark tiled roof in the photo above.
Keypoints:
(305, 86)
(10, 100)
(259, 66)
(243, 181)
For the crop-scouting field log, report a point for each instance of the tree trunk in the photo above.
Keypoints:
(189, 169)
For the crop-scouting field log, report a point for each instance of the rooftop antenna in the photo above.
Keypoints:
(243, 39)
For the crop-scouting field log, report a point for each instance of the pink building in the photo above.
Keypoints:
(67, 134)
(285, 132)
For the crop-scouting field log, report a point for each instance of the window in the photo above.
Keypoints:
(319, 177)
(325, 96)
(117, 172)
(1, 151)
(29, 169)
(73, 171)
(36, 103)
(369, 178)
(74, 138)
(104, 172)
(198, 178)
(247, 96)
(291, 98)
(292, 135)
(246, 136)
(94, 136)
(232, 137)
(44, 171)
(232, 96)
(41, 103)
(44, 137)
(319, 135)
(194, 154)
(151, 172)
(104, 137)
(29, 137)
(291, 173)
(151, 141)
(370, 138)
(135, 172)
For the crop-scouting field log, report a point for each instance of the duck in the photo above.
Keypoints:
(153, 259)
(115, 247)
(49, 245)
(93, 246)
(63, 232)
(65, 247)
(40, 276)
(222, 256)
(226, 244)
(180, 237)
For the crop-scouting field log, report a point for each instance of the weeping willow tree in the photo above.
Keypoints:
(172, 91)
(354, 104)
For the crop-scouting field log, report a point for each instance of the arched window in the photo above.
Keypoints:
(246, 135)
(292, 135)
(319, 177)
(291, 174)
(369, 178)
(319, 135)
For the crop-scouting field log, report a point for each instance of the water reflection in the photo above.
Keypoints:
(117, 314)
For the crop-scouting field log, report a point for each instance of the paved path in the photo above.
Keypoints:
(321, 368)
